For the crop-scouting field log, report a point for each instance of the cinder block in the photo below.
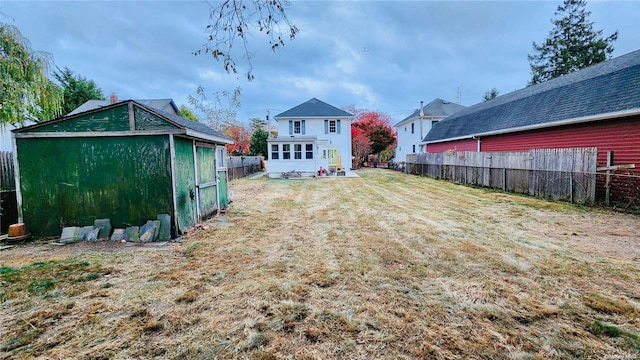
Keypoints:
(147, 232)
(69, 234)
(84, 231)
(131, 233)
(118, 235)
(164, 233)
(105, 228)
(92, 235)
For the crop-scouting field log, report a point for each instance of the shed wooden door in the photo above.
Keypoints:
(223, 187)
(207, 189)
(185, 184)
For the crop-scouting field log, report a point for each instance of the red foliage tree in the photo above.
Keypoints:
(241, 139)
(360, 146)
(377, 128)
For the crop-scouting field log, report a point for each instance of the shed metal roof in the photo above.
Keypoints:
(609, 87)
(313, 108)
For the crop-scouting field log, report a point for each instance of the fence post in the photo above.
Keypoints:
(504, 179)
(607, 184)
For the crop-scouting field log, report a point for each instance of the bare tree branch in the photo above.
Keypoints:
(234, 20)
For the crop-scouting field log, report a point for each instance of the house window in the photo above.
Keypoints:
(331, 126)
(274, 151)
(286, 151)
(413, 128)
(296, 127)
(297, 151)
(309, 151)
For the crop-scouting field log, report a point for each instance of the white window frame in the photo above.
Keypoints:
(334, 124)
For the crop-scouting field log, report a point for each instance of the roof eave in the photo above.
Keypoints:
(447, 140)
(203, 136)
(337, 117)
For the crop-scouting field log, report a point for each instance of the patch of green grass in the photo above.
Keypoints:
(40, 286)
(39, 278)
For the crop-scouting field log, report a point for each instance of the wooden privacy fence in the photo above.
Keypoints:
(556, 174)
(241, 166)
(8, 203)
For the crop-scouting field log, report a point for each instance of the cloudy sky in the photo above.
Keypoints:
(385, 56)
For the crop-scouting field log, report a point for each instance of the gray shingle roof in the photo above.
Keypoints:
(313, 108)
(190, 124)
(436, 108)
(603, 88)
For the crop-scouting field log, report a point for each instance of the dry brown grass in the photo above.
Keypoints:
(383, 266)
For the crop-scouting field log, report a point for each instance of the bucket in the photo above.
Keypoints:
(17, 230)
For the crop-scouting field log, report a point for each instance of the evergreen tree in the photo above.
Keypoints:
(259, 143)
(491, 94)
(573, 44)
(76, 89)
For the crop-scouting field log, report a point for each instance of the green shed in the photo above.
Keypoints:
(125, 161)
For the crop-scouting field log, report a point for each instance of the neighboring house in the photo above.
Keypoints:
(5, 135)
(311, 136)
(124, 161)
(414, 127)
(598, 106)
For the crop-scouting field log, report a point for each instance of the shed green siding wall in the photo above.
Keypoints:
(146, 121)
(73, 181)
(116, 119)
(185, 183)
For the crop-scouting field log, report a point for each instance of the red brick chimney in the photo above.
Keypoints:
(113, 98)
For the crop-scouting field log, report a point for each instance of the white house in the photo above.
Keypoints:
(415, 127)
(311, 136)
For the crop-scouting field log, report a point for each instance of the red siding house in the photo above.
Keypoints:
(598, 106)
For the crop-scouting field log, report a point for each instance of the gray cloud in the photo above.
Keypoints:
(379, 55)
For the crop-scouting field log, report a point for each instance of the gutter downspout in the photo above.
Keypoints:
(421, 120)
(477, 138)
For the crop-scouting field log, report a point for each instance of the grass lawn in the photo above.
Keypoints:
(386, 266)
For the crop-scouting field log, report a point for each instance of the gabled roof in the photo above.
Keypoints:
(436, 108)
(313, 108)
(160, 104)
(611, 87)
(191, 128)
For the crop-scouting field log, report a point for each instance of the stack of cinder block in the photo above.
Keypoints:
(154, 230)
